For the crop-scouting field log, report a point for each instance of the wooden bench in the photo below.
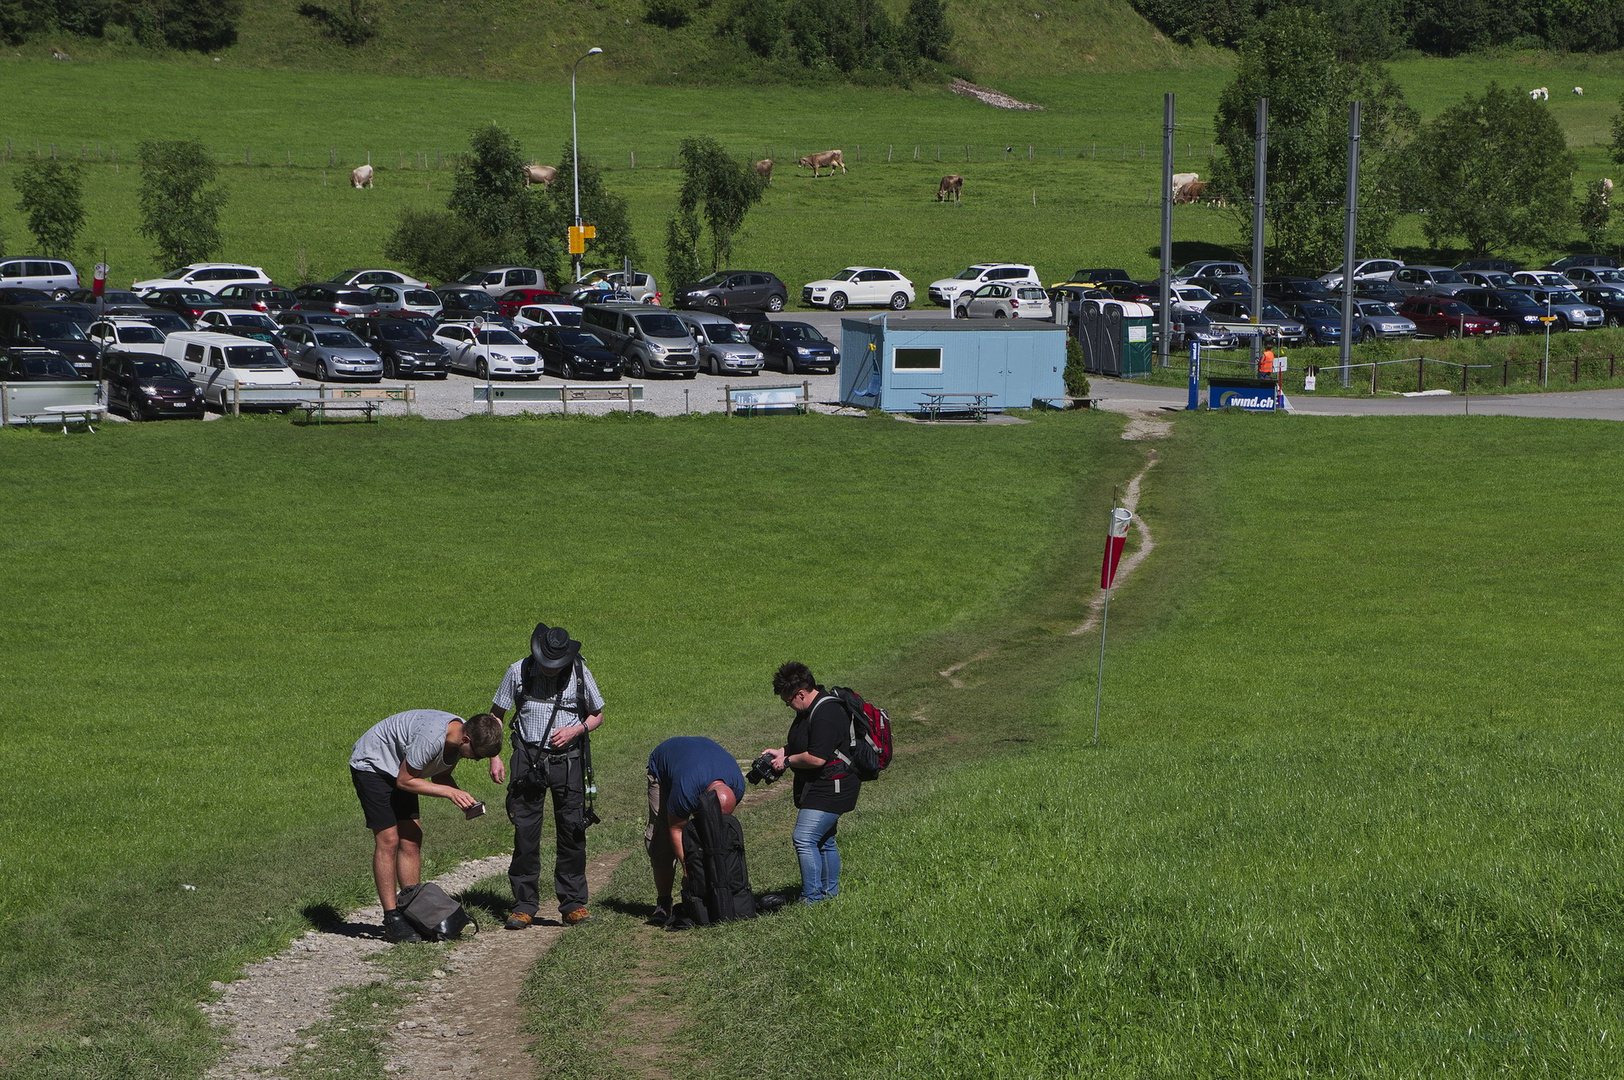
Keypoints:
(972, 404)
(749, 400)
(82, 414)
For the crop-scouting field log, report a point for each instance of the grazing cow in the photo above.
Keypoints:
(1578, 91)
(1607, 186)
(539, 174)
(1540, 93)
(827, 159)
(1190, 192)
(1182, 178)
(361, 176)
(949, 188)
(764, 170)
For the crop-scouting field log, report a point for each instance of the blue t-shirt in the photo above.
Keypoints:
(687, 765)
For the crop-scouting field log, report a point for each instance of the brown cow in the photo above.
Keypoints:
(949, 188)
(361, 176)
(764, 170)
(827, 159)
(1191, 192)
(539, 174)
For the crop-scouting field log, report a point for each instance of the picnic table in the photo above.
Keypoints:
(84, 414)
(936, 403)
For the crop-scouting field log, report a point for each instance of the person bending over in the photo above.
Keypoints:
(680, 770)
(825, 786)
(399, 758)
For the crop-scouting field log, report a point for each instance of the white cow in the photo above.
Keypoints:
(1180, 179)
(1578, 91)
(361, 176)
(1540, 93)
(539, 174)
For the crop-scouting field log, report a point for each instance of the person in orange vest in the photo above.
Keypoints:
(1265, 364)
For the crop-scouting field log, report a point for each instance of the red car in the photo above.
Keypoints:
(511, 301)
(1440, 317)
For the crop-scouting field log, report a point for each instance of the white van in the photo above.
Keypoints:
(217, 363)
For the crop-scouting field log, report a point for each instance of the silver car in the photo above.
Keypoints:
(329, 353)
(1569, 308)
(723, 347)
(1376, 321)
(407, 299)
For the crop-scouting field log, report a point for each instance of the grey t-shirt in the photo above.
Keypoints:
(416, 737)
(531, 723)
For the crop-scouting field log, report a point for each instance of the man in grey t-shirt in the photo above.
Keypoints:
(558, 705)
(399, 758)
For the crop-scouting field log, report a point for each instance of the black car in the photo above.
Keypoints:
(734, 289)
(187, 302)
(747, 320)
(1515, 311)
(24, 296)
(403, 346)
(1611, 302)
(82, 314)
(460, 302)
(1504, 266)
(1101, 277)
(36, 365)
(111, 297)
(30, 326)
(324, 296)
(164, 319)
(1295, 290)
(257, 296)
(1571, 261)
(571, 353)
(1385, 291)
(1229, 288)
(150, 387)
(795, 347)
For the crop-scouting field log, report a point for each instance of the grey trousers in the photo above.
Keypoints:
(567, 783)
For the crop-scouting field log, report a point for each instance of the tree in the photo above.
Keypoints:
(1291, 59)
(926, 30)
(201, 25)
(607, 212)
(180, 213)
(51, 197)
(440, 245)
(718, 190)
(1494, 170)
(1595, 214)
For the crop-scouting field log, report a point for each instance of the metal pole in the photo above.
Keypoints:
(1260, 170)
(1166, 321)
(1105, 616)
(575, 151)
(1348, 240)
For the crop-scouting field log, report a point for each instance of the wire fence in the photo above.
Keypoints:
(1419, 374)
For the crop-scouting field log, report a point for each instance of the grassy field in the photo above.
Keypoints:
(205, 617)
(1353, 813)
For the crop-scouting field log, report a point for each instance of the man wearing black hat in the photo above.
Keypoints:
(558, 704)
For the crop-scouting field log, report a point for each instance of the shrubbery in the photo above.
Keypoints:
(202, 25)
(838, 36)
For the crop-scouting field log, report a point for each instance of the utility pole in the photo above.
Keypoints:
(1348, 240)
(1166, 322)
(1260, 171)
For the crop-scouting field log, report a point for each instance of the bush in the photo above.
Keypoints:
(355, 25)
(1076, 378)
(439, 245)
(198, 25)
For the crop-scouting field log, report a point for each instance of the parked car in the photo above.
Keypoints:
(313, 318)
(1000, 300)
(1594, 275)
(187, 302)
(123, 334)
(19, 295)
(533, 315)
(1436, 317)
(1238, 313)
(1323, 319)
(747, 320)
(511, 301)
(496, 280)
(272, 300)
(1570, 261)
(650, 339)
(1489, 279)
(1385, 291)
(54, 277)
(1229, 289)
(403, 345)
(795, 347)
(1513, 310)
(1185, 297)
(571, 353)
(150, 387)
(365, 279)
(640, 287)
(1281, 290)
(29, 326)
(109, 297)
(1098, 277)
(218, 363)
(723, 348)
(1062, 295)
(487, 352)
(37, 365)
(1374, 320)
(1200, 271)
(1195, 325)
(243, 323)
(1540, 279)
(1569, 308)
(344, 300)
(734, 289)
(946, 290)
(859, 286)
(82, 314)
(1611, 302)
(461, 302)
(407, 301)
(330, 353)
(210, 277)
(1363, 270)
(1428, 281)
(1503, 266)
(168, 321)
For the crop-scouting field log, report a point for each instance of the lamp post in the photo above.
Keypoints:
(575, 149)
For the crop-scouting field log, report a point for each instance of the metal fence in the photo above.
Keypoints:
(1418, 374)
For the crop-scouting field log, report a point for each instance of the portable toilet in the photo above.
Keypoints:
(1115, 336)
(893, 365)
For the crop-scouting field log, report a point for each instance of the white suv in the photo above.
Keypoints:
(210, 277)
(54, 276)
(945, 291)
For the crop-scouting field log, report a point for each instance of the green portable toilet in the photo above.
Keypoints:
(1115, 336)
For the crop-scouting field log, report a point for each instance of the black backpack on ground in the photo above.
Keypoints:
(716, 882)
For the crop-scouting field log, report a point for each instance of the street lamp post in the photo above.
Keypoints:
(575, 149)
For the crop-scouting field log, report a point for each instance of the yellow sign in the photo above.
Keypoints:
(579, 235)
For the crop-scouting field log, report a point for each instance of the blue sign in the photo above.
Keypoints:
(1195, 376)
(1236, 397)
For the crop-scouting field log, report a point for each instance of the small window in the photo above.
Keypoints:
(194, 352)
(916, 359)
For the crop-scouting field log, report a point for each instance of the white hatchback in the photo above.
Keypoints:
(487, 352)
(1004, 301)
(126, 335)
(533, 315)
(860, 286)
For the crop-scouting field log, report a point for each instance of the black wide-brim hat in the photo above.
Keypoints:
(553, 648)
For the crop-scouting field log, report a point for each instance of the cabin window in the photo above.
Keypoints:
(916, 359)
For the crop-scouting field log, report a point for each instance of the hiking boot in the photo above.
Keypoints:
(518, 920)
(576, 917)
(661, 916)
(397, 929)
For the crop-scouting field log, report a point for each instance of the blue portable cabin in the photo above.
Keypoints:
(890, 365)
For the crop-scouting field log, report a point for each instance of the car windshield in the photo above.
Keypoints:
(159, 367)
(48, 367)
(1608, 275)
(662, 326)
(1272, 312)
(175, 275)
(1455, 308)
(167, 321)
(262, 322)
(140, 335)
(1562, 296)
(709, 281)
(1189, 269)
(1317, 311)
(972, 273)
(1378, 309)
(580, 339)
(1192, 318)
(399, 331)
(189, 296)
(252, 356)
(567, 318)
(844, 275)
(338, 339)
(421, 296)
(724, 334)
(1447, 277)
(797, 331)
(498, 337)
(477, 301)
(1194, 292)
(1494, 280)
(57, 329)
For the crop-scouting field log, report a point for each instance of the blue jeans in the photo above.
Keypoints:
(814, 840)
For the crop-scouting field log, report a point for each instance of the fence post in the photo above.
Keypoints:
(1375, 374)
(1463, 370)
(1505, 373)
(1420, 374)
(1575, 369)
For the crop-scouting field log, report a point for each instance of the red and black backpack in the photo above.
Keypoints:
(868, 751)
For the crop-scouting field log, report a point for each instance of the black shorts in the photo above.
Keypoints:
(384, 804)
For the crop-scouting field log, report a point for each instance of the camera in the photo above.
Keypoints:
(531, 787)
(762, 769)
(473, 810)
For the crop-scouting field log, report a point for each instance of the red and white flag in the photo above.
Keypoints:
(1114, 539)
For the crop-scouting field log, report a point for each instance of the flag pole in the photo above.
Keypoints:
(1113, 551)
